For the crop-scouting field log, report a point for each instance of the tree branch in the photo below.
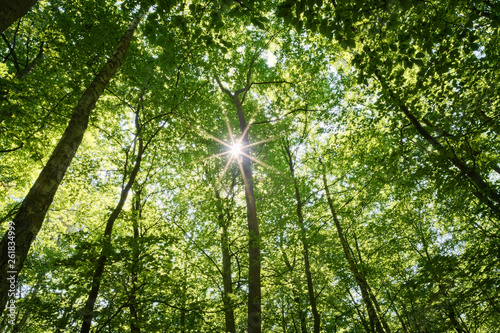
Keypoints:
(224, 89)
(287, 114)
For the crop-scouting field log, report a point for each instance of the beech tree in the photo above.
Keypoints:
(31, 213)
(10, 11)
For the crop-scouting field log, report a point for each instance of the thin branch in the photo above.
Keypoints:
(13, 149)
(224, 89)
(11, 51)
(175, 106)
(287, 114)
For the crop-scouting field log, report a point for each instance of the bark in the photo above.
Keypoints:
(450, 311)
(254, 285)
(31, 214)
(226, 269)
(12, 10)
(254, 293)
(88, 310)
(134, 315)
(305, 245)
(22, 73)
(485, 193)
(360, 280)
(183, 321)
(228, 283)
(184, 297)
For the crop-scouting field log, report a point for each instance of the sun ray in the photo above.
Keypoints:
(213, 156)
(218, 140)
(246, 129)
(243, 174)
(229, 160)
(230, 131)
(259, 162)
(235, 150)
(256, 143)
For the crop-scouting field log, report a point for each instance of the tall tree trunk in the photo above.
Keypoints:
(31, 214)
(136, 215)
(228, 283)
(484, 192)
(226, 267)
(303, 237)
(360, 280)
(449, 310)
(254, 292)
(184, 296)
(379, 311)
(12, 10)
(88, 310)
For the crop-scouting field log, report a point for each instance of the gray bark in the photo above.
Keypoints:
(12, 10)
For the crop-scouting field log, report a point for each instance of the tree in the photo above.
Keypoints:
(11, 11)
(310, 285)
(101, 262)
(31, 214)
(254, 292)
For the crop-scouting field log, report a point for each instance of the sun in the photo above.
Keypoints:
(236, 149)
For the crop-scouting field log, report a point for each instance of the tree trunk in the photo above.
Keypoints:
(12, 10)
(370, 292)
(226, 269)
(31, 214)
(184, 296)
(449, 310)
(136, 215)
(305, 245)
(228, 283)
(88, 310)
(360, 280)
(254, 292)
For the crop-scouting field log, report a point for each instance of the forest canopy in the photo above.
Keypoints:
(250, 166)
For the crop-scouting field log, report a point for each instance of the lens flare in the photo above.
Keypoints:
(236, 149)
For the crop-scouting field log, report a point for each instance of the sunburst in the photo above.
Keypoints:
(235, 150)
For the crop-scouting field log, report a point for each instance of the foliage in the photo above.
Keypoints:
(345, 84)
